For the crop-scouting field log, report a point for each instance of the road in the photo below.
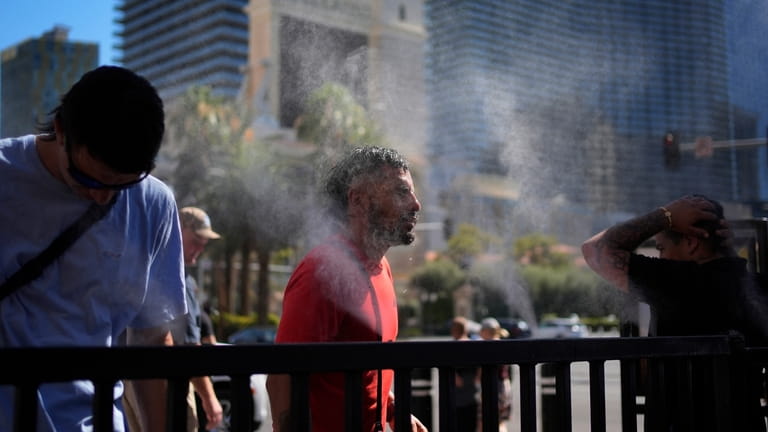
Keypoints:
(580, 399)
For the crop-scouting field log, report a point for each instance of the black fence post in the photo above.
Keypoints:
(421, 395)
(549, 420)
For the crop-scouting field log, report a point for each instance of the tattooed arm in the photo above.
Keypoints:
(607, 253)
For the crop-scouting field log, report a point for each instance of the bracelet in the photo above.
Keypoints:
(668, 214)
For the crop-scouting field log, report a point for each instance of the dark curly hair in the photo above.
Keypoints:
(360, 163)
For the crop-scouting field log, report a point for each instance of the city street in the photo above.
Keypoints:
(580, 399)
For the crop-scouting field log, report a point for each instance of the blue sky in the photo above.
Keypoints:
(88, 21)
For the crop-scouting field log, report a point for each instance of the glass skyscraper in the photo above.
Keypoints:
(568, 102)
(178, 43)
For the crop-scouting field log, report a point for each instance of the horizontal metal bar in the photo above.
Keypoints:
(187, 361)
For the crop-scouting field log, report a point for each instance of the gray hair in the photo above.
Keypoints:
(362, 163)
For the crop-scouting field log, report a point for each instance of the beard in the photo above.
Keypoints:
(393, 235)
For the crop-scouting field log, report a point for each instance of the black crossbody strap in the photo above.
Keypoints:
(34, 267)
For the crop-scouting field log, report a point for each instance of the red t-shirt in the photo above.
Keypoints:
(328, 299)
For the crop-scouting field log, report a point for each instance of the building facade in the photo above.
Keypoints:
(179, 43)
(568, 104)
(372, 47)
(35, 74)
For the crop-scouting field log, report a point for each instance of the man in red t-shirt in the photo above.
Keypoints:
(342, 291)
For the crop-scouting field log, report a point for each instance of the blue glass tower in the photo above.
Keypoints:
(570, 101)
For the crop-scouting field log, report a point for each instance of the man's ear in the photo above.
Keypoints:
(58, 131)
(355, 200)
(692, 244)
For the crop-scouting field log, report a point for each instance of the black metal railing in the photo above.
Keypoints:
(27, 368)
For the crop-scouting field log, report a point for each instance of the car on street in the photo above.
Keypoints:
(516, 328)
(253, 335)
(569, 327)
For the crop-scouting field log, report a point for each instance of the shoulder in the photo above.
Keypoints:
(154, 198)
(325, 269)
(14, 150)
(640, 263)
(328, 254)
(156, 189)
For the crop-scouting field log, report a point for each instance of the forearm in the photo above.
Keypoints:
(629, 235)
(204, 387)
(279, 390)
(213, 411)
(151, 394)
(608, 252)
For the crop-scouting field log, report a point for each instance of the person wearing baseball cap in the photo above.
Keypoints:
(198, 221)
(196, 231)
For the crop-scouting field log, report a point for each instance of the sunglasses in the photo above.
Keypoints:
(91, 183)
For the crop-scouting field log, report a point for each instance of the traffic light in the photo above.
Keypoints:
(447, 228)
(671, 150)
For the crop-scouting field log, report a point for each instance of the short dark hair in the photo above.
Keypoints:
(360, 162)
(116, 115)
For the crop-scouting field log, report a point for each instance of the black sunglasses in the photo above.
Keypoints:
(91, 183)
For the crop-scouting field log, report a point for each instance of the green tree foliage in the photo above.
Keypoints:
(539, 249)
(333, 119)
(335, 122)
(566, 291)
(555, 285)
(252, 192)
(204, 131)
(436, 281)
(438, 276)
(491, 292)
(467, 243)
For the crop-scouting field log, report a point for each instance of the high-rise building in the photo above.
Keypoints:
(374, 48)
(748, 55)
(569, 102)
(279, 51)
(35, 74)
(179, 43)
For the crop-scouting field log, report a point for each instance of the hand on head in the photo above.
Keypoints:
(690, 210)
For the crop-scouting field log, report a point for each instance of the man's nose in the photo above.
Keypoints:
(416, 204)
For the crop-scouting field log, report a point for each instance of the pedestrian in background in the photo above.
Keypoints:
(196, 231)
(124, 274)
(207, 329)
(343, 291)
(490, 329)
(467, 384)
